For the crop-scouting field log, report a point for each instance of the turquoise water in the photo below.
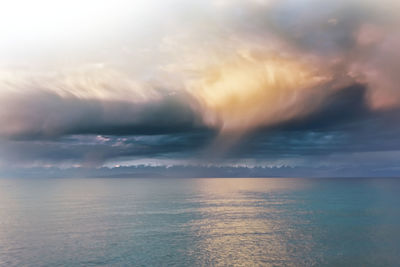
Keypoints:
(199, 222)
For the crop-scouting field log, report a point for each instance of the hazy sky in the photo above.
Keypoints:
(207, 82)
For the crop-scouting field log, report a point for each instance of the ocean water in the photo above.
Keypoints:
(200, 222)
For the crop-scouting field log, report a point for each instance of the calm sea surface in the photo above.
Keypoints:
(199, 222)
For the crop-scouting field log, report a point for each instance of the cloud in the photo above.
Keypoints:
(96, 150)
(96, 101)
(258, 80)
(379, 68)
(355, 40)
(245, 92)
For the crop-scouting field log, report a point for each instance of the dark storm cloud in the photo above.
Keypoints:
(93, 151)
(93, 133)
(343, 129)
(47, 115)
(340, 109)
(343, 124)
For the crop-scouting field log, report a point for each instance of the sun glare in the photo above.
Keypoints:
(44, 20)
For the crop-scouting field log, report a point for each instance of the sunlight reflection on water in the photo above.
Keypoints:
(191, 222)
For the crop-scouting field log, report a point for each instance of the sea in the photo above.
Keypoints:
(200, 222)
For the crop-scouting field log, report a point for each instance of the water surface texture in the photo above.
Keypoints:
(199, 222)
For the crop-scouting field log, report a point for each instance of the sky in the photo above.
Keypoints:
(303, 84)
